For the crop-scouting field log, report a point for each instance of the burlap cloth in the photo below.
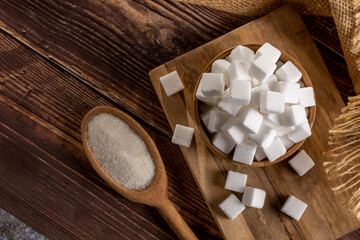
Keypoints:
(342, 164)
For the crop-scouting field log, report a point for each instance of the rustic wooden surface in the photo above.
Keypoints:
(58, 60)
(278, 180)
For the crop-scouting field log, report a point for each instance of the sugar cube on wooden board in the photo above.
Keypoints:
(182, 135)
(245, 152)
(294, 207)
(171, 83)
(236, 181)
(301, 163)
(231, 206)
(253, 197)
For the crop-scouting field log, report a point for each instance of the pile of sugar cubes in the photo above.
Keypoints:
(258, 105)
(255, 103)
(255, 197)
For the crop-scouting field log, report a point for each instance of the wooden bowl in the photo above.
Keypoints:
(205, 134)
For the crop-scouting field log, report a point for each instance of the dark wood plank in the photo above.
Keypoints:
(48, 104)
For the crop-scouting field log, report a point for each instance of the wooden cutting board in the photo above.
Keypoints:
(325, 217)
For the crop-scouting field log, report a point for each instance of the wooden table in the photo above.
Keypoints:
(58, 60)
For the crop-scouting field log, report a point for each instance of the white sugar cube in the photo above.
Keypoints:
(216, 120)
(272, 102)
(233, 131)
(264, 137)
(222, 66)
(244, 152)
(250, 120)
(254, 82)
(235, 181)
(210, 100)
(171, 83)
(271, 82)
(282, 130)
(261, 68)
(275, 150)
(306, 97)
(294, 207)
(259, 154)
(301, 163)
(287, 142)
(274, 118)
(212, 84)
(182, 135)
(256, 93)
(228, 105)
(238, 71)
(279, 64)
(232, 206)
(290, 91)
(268, 50)
(253, 197)
(294, 115)
(223, 143)
(288, 73)
(242, 53)
(205, 117)
(300, 132)
(240, 91)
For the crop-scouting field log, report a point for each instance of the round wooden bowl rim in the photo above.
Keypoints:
(312, 110)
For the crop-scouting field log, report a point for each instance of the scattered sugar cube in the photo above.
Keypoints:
(223, 143)
(271, 82)
(275, 150)
(288, 73)
(232, 206)
(290, 91)
(306, 97)
(242, 53)
(287, 142)
(182, 135)
(233, 131)
(235, 181)
(274, 118)
(272, 102)
(294, 115)
(171, 83)
(210, 100)
(269, 51)
(264, 137)
(228, 105)
(244, 152)
(237, 71)
(212, 84)
(294, 207)
(250, 120)
(216, 120)
(301, 163)
(222, 66)
(240, 91)
(253, 197)
(256, 93)
(259, 154)
(279, 64)
(300, 132)
(262, 68)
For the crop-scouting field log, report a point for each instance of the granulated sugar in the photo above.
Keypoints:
(120, 151)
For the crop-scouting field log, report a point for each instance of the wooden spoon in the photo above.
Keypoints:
(155, 194)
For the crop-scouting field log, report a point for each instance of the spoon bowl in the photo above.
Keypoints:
(155, 194)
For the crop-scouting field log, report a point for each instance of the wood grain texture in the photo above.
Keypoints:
(75, 55)
(323, 219)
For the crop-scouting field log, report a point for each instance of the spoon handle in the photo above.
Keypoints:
(175, 220)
